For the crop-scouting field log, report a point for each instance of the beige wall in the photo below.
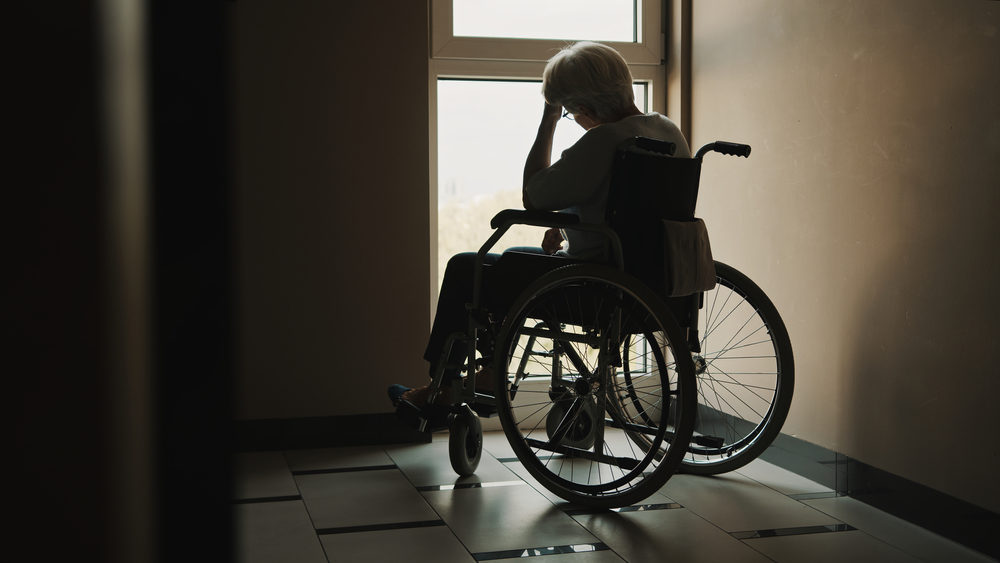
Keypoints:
(331, 190)
(869, 212)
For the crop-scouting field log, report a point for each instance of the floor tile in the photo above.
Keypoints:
(262, 475)
(501, 518)
(275, 532)
(911, 538)
(361, 498)
(336, 458)
(780, 479)
(428, 464)
(518, 469)
(832, 547)
(667, 535)
(736, 503)
(415, 544)
(496, 444)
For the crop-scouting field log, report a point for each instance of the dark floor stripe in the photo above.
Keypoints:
(540, 551)
(266, 499)
(458, 486)
(812, 496)
(792, 531)
(514, 459)
(379, 527)
(343, 469)
(633, 508)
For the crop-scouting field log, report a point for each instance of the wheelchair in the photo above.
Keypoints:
(610, 377)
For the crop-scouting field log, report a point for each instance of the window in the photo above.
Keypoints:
(485, 91)
(598, 20)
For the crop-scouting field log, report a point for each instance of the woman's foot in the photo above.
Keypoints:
(396, 392)
(418, 396)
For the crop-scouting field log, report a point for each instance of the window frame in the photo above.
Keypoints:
(488, 58)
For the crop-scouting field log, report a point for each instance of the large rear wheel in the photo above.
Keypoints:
(560, 358)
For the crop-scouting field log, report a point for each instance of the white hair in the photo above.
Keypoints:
(589, 75)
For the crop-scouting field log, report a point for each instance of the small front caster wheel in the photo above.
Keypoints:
(465, 441)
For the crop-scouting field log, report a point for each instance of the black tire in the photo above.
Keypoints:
(745, 374)
(465, 442)
(565, 328)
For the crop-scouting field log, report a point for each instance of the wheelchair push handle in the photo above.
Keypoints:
(725, 147)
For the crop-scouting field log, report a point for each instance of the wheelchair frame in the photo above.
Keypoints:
(709, 439)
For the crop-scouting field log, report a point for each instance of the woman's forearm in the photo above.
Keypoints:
(540, 155)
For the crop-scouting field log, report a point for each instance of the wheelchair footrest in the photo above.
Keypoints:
(427, 419)
(484, 410)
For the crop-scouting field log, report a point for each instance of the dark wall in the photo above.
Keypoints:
(53, 308)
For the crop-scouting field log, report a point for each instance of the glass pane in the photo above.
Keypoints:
(485, 129)
(597, 20)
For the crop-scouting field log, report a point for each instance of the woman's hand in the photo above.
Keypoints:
(552, 242)
(551, 112)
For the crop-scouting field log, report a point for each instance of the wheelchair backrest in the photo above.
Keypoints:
(648, 185)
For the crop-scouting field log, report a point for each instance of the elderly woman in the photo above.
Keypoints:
(593, 83)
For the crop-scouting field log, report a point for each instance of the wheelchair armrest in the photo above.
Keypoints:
(536, 218)
(502, 222)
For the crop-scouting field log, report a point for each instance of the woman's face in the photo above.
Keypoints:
(584, 118)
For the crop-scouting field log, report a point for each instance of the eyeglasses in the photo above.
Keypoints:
(568, 115)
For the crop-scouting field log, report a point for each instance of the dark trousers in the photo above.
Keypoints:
(504, 277)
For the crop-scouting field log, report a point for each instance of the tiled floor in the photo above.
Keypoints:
(404, 503)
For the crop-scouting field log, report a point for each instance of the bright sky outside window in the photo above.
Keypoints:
(598, 20)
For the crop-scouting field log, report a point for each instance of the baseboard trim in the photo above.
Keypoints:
(970, 525)
(323, 432)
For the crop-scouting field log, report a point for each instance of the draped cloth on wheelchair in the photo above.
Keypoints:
(688, 266)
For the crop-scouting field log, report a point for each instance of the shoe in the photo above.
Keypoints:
(418, 396)
(396, 392)
(411, 406)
